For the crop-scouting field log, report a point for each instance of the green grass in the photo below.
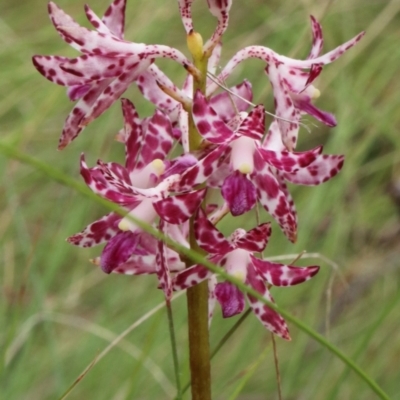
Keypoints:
(58, 312)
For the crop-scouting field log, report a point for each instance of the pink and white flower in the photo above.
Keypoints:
(236, 256)
(106, 68)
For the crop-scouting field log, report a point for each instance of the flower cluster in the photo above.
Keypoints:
(224, 144)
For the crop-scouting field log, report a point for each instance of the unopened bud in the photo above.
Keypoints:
(195, 44)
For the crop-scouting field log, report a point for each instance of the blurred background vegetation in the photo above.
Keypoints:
(58, 312)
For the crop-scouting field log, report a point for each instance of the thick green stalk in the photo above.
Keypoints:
(197, 296)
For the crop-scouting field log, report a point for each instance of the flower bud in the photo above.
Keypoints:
(195, 44)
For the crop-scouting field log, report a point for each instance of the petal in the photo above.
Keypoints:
(116, 191)
(214, 59)
(97, 232)
(113, 91)
(186, 14)
(133, 133)
(318, 40)
(290, 161)
(179, 165)
(273, 198)
(137, 265)
(164, 277)
(157, 139)
(149, 84)
(209, 237)
(60, 19)
(209, 124)
(220, 9)
(50, 68)
(203, 169)
(254, 125)
(180, 208)
(88, 68)
(76, 92)
(273, 139)
(73, 124)
(289, 118)
(96, 22)
(313, 74)
(321, 170)
(230, 298)
(283, 275)
(118, 250)
(114, 18)
(268, 55)
(267, 316)
(256, 239)
(222, 102)
(239, 193)
(303, 103)
(96, 43)
(190, 277)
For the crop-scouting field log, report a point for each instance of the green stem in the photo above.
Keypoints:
(174, 350)
(197, 296)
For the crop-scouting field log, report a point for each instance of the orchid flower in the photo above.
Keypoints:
(107, 66)
(141, 190)
(292, 87)
(247, 171)
(236, 256)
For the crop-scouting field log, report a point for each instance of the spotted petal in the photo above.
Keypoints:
(180, 208)
(202, 170)
(318, 40)
(289, 117)
(50, 68)
(222, 102)
(256, 239)
(113, 91)
(321, 170)
(209, 237)
(190, 277)
(254, 125)
(114, 18)
(89, 68)
(290, 161)
(157, 140)
(267, 316)
(162, 270)
(97, 232)
(272, 198)
(133, 133)
(220, 9)
(209, 123)
(115, 190)
(283, 275)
